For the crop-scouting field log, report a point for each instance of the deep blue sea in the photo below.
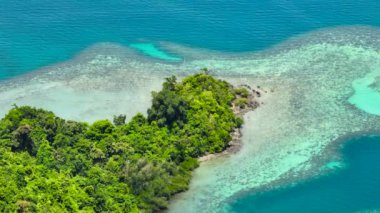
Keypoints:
(353, 188)
(37, 33)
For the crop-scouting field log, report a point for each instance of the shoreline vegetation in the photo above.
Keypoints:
(50, 164)
(245, 101)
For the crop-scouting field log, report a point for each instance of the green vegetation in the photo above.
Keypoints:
(241, 91)
(241, 102)
(48, 164)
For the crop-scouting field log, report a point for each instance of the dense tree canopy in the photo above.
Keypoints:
(48, 164)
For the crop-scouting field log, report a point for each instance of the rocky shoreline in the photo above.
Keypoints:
(239, 110)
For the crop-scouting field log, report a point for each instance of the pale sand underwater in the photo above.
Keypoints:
(314, 102)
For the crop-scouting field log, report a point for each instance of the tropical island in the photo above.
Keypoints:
(48, 164)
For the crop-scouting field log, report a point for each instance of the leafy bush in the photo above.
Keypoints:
(241, 102)
(243, 92)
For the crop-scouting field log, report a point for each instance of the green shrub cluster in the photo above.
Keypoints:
(48, 164)
(241, 102)
(241, 91)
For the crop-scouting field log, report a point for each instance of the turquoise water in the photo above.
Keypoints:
(37, 33)
(353, 187)
(152, 51)
(367, 93)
